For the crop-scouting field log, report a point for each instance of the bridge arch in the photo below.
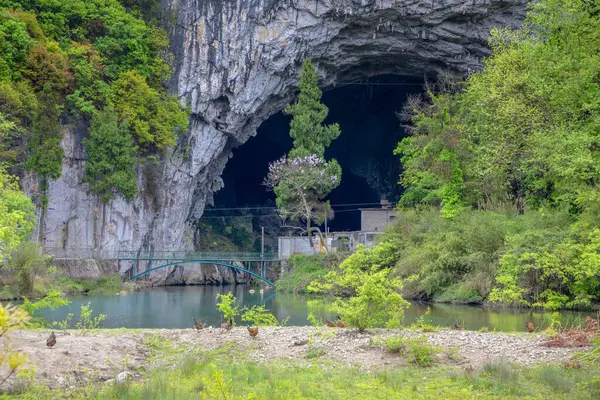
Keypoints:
(220, 263)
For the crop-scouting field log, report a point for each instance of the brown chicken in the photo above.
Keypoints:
(227, 325)
(330, 324)
(198, 325)
(529, 326)
(458, 326)
(51, 341)
(253, 330)
(340, 324)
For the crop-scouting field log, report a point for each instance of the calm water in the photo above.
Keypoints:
(177, 306)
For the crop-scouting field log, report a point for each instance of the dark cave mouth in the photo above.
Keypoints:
(366, 112)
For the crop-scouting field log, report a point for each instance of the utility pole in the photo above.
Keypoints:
(262, 250)
(325, 244)
(262, 242)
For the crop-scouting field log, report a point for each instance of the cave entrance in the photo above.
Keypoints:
(366, 112)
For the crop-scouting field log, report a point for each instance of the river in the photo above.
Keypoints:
(177, 306)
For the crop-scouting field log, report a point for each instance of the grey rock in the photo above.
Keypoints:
(123, 376)
(237, 63)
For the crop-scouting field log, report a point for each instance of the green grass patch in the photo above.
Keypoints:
(304, 269)
(103, 286)
(418, 350)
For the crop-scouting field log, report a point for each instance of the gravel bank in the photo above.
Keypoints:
(101, 356)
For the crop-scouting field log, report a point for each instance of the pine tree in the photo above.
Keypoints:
(306, 128)
(110, 167)
(302, 180)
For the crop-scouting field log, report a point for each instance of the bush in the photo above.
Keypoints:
(11, 318)
(259, 316)
(26, 264)
(374, 292)
(226, 307)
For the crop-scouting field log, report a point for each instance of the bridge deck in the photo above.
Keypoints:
(199, 256)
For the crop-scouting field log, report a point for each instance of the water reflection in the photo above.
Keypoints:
(177, 306)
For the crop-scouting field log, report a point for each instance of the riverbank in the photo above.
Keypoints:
(90, 360)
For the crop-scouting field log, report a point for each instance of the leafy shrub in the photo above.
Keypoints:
(226, 306)
(374, 292)
(11, 317)
(25, 264)
(259, 316)
(52, 301)
(87, 322)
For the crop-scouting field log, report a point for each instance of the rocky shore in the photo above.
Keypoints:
(101, 356)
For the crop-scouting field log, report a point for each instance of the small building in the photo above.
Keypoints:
(372, 221)
(375, 219)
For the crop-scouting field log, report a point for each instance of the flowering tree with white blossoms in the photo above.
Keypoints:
(300, 184)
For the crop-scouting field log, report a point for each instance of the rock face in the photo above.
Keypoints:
(194, 274)
(237, 63)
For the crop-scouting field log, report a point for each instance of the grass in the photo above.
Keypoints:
(102, 286)
(177, 371)
(304, 269)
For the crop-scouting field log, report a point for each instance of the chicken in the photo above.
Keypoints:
(529, 326)
(253, 330)
(51, 341)
(458, 326)
(227, 325)
(330, 324)
(339, 323)
(198, 325)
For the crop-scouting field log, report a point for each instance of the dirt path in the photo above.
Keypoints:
(100, 356)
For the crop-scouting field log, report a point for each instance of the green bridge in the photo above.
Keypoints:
(155, 260)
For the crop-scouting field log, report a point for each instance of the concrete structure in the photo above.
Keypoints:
(375, 219)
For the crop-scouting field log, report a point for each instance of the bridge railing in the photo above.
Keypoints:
(82, 253)
(192, 255)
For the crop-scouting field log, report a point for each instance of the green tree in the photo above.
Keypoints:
(17, 215)
(302, 180)
(370, 286)
(45, 152)
(153, 117)
(110, 166)
(301, 184)
(306, 128)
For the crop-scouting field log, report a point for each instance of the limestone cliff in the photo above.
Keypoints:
(237, 63)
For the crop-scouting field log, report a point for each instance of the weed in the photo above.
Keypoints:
(422, 353)
(452, 353)
(421, 325)
(396, 345)
(500, 370)
(419, 351)
(315, 353)
(87, 322)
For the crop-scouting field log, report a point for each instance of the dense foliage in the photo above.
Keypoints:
(110, 167)
(303, 179)
(510, 158)
(75, 58)
(371, 288)
(17, 215)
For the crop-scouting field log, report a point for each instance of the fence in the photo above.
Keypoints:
(82, 253)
